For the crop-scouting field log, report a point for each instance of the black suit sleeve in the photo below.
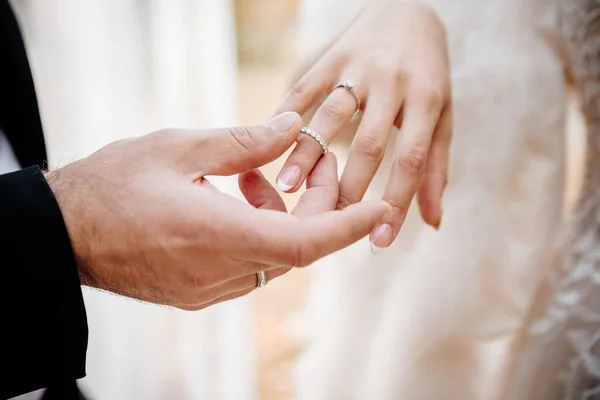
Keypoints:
(44, 322)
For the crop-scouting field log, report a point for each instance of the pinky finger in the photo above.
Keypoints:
(435, 178)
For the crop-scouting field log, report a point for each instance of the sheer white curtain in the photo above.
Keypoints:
(107, 69)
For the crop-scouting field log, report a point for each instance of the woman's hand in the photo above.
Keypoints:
(396, 54)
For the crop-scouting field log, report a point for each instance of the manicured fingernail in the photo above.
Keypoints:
(284, 122)
(288, 178)
(381, 237)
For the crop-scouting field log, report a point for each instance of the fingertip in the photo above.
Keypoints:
(437, 220)
(381, 238)
(283, 130)
(289, 178)
(431, 216)
(249, 177)
(429, 198)
(289, 121)
(432, 213)
(283, 187)
(382, 233)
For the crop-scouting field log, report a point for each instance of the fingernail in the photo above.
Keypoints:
(381, 238)
(288, 178)
(284, 122)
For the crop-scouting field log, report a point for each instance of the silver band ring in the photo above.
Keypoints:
(317, 137)
(349, 86)
(261, 279)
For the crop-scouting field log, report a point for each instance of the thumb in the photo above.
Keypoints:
(229, 151)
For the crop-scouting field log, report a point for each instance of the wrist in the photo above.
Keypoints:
(62, 188)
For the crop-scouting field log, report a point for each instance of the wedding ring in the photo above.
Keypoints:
(261, 279)
(349, 86)
(317, 137)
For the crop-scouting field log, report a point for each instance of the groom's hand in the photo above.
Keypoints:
(145, 223)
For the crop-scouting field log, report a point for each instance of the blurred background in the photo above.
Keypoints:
(116, 68)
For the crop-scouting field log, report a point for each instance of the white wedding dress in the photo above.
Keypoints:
(558, 354)
(107, 69)
(439, 315)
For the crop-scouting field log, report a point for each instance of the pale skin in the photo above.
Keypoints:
(145, 223)
(396, 54)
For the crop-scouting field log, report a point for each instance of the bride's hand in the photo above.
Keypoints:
(396, 54)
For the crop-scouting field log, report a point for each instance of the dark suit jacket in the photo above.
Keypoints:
(44, 329)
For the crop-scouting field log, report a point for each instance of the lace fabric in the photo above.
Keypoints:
(561, 358)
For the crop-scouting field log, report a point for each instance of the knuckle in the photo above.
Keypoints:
(242, 135)
(370, 148)
(345, 199)
(302, 255)
(298, 90)
(400, 76)
(412, 161)
(382, 64)
(333, 110)
(432, 98)
(399, 208)
(298, 256)
(289, 253)
(395, 75)
(428, 12)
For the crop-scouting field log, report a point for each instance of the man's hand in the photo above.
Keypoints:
(145, 223)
